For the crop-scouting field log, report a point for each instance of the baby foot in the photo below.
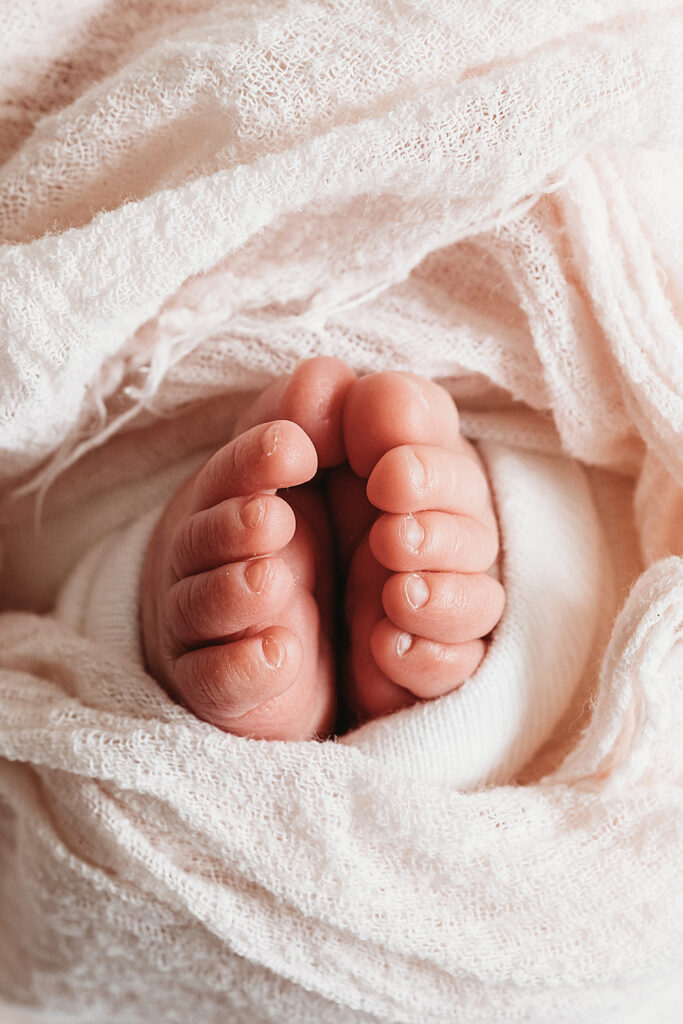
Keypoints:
(237, 589)
(419, 543)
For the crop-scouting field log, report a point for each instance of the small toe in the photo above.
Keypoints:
(436, 541)
(424, 667)
(235, 529)
(266, 457)
(417, 477)
(447, 607)
(222, 602)
(384, 410)
(222, 684)
(313, 397)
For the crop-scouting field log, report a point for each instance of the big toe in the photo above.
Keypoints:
(313, 397)
(385, 410)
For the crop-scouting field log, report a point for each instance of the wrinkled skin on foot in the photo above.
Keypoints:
(238, 590)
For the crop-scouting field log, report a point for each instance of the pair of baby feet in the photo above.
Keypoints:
(332, 484)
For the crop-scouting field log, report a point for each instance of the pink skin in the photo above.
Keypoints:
(238, 588)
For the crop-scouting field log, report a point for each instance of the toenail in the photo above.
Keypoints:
(270, 438)
(404, 642)
(413, 534)
(416, 471)
(255, 574)
(252, 512)
(273, 651)
(417, 591)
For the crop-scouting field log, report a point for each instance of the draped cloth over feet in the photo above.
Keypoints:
(194, 196)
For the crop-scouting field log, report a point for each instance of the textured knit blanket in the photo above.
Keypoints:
(194, 195)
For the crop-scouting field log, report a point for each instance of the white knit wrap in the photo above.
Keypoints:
(194, 195)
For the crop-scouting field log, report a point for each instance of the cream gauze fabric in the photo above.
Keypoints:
(193, 196)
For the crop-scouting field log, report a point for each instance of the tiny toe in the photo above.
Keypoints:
(384, 410)
(437, 541)
(223, 683)
(444, 606)
(313, 397)
(221, 602)
(424, 667)
(417, 477)
(267, 457)
(235, 529)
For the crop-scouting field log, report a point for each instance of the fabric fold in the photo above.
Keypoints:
(489, 195)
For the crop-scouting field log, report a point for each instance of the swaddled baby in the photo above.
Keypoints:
(332, 484)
